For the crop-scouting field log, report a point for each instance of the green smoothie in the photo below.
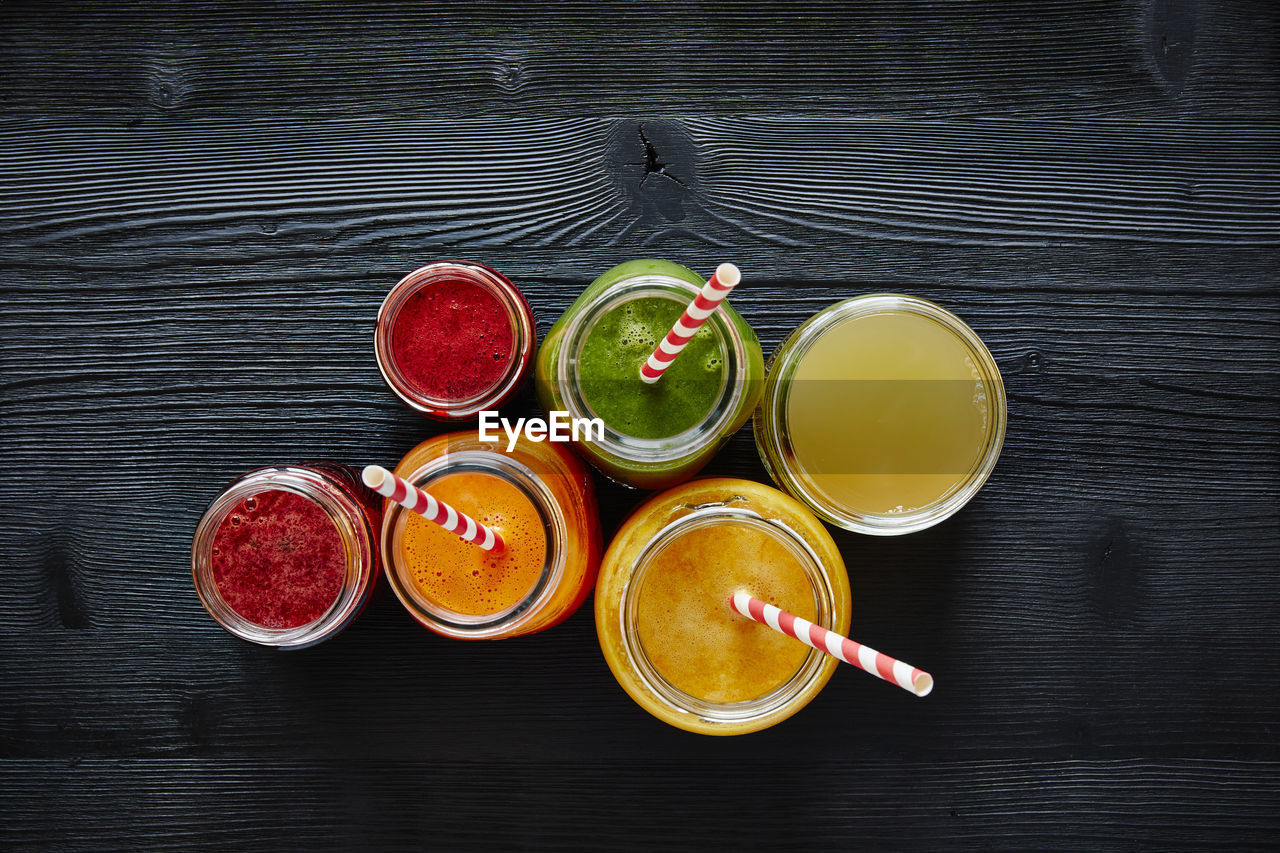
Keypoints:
(589, 362)
(610, 369)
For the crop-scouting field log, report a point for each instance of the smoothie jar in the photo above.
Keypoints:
(663, 615)
(589, 366)
(453, 338)
(288, 556)
(539, 497)
(884, 413)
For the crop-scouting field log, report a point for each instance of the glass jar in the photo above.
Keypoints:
(885, 414)
(287, 556)
(654, 435)
(539, 497)
(454, 338)
(663, 615)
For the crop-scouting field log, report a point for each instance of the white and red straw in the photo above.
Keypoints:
(863, 657)
(411, 497)
(725, 279)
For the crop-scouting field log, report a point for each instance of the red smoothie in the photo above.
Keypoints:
(452, 340)
(278, 560)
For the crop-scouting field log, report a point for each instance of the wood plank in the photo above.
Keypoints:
(793, 188)
(144, 63)
(994, 805)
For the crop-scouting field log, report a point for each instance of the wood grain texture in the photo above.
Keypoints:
(143, 61)
(762, 185)
(1069, 805)
(201, 207)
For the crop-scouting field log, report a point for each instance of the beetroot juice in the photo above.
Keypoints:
(278, 559)
(286, 557)
(453, 338)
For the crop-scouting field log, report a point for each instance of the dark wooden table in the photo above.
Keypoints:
(203, 205)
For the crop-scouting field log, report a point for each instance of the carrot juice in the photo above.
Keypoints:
(456, 575)
(538, 497)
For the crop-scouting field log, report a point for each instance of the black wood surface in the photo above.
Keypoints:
(202, 205)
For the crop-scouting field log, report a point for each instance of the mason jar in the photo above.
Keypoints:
(454, 338)
(654, 435)
(663, 616)
(287, 556)
(885, 414)
(539, 497)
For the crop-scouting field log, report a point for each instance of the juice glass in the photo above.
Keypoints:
(539, 497)
(663, 615)
(884, 413)
(589, 365)
(453, 338)
(287, 556)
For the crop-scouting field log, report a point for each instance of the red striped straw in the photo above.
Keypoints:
(725, 279)
(411, 497)
(863, 657)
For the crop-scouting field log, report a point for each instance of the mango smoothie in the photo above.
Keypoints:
(663, 615)
(703, 648)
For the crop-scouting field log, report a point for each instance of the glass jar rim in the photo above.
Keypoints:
(688, 442)
(772, 434)
(353, 529)
(509, 620)
(519, 316)
(771, 707)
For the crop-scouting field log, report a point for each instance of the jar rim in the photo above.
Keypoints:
(682, 445)
(353, 529)
(519, 317)
(511, 619)
(772, 433)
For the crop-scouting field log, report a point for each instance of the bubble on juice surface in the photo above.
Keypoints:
(634, 334)
(251, 504)
(235, 521)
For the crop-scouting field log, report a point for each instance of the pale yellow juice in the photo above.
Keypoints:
(887, 413)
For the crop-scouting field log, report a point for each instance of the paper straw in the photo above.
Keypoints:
(411, 497)
(725, 278)
(863, 657)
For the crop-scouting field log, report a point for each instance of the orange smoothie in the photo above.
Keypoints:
(692, 637)
(539, 496)
(458, 576)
